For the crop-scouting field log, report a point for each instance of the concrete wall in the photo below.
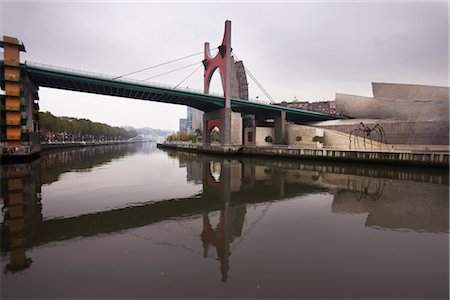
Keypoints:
(248, 142)
(306, 132)
(332, 139)
(409, 91)
(397, 131)
(236, 128)
(236, 125)
(259, 135)
(338, 140)
(411, 110)
(239, 84)
(409, 114)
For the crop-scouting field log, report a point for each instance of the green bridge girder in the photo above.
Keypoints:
(55, 77)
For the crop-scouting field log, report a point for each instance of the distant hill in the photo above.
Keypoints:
(151, 133)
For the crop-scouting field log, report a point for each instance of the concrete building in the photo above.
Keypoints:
(325, 107)
(183, 126)
(398, 117)
(19, 106)
(195, 119)
(411, 116)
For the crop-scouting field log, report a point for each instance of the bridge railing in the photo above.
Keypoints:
(126, 80)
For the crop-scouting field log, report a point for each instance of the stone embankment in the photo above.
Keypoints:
(64, 145)
(387, 157)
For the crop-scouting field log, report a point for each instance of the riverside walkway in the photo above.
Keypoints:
(386, 157)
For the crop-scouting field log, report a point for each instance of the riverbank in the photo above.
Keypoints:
(55, 146)
(406, 158)
(65, 145)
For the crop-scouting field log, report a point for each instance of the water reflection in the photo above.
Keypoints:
(21, 197)
(392, 199)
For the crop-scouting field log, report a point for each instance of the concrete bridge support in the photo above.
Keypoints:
(259, 127)
(229, 124)
(280, 128)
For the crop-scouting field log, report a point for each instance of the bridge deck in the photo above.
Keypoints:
(54, 77)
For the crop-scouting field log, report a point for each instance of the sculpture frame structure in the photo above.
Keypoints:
(221, 61)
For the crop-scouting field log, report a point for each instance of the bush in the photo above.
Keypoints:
(317, 138)
(268, 139)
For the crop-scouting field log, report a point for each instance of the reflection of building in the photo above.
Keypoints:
(194, 172)
(391, 198)
(21, 192)
(395, 205)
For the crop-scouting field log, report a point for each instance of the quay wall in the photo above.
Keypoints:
(58, 146)
(409, 158)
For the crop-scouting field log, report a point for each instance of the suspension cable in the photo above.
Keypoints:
(171, 71)
(161, 64)
(260, 86)
(256, 82)
(188, 76)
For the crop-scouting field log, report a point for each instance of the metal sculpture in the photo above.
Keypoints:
(368, 132)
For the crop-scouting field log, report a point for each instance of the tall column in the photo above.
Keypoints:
(280, 127)
(221, 61)
(206, 135)
(226, 128)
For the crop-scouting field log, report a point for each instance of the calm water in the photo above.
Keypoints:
(133, 221)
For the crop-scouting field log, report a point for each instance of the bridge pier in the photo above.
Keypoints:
(276, 128)
(229, 124)
(280, 128)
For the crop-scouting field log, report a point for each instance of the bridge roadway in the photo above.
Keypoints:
(66, 79)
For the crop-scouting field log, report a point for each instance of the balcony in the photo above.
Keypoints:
(13, 137)
(13, 122)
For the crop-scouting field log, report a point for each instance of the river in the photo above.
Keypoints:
(134, 221)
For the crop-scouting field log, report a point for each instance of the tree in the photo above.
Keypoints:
(268, 139)
(76, 128)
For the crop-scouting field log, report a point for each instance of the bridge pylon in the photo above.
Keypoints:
(229, 123)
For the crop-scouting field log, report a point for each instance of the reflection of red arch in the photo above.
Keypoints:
(210, 124)
(210, 182)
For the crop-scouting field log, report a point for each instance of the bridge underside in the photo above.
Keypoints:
(96, 84)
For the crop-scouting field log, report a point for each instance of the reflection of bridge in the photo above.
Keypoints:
(239, 182)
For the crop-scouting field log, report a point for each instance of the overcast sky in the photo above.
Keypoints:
(295, 49)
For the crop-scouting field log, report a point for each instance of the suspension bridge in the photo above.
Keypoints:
(20, 81)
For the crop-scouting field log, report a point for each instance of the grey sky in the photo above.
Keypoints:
(305, 50)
